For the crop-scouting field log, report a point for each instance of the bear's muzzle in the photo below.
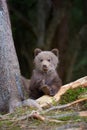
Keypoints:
(45, 68)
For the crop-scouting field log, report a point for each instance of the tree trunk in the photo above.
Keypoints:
(43, 8)
(57, 15)
(40, 22)
(60, 41)
(9, 68)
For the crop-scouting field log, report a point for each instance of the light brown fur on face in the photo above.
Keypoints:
(46, 60)
(45, 79)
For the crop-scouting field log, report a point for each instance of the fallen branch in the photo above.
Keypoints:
(64, 106)
(54, 120)
(45, 100)
(34, 115)
(38, 116)
(71, 114)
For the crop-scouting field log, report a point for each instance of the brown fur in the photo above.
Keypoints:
(45, 79)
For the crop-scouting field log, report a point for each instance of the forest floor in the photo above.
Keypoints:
(73, 117)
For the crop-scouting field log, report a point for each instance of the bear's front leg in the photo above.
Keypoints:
(46, 89)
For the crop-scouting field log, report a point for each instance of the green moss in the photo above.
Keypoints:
(65, 118)
(6, 124)
(54, 103)
(74, 118)
(72, 95)
(85, 104)
(1, 123)
(15, 128)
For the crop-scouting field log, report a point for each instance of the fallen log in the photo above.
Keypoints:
(46, 101)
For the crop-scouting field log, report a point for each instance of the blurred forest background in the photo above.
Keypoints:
(49, 24)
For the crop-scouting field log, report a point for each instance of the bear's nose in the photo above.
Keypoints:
(44, 66)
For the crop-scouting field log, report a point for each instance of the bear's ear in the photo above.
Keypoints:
(55, 51)
(37, 51)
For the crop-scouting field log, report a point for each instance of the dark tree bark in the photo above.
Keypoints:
(10, 80)
(60, 35)
(43, 9)
(60, 41)
(40, 22)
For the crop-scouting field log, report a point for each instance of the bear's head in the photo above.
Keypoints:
(46, 61)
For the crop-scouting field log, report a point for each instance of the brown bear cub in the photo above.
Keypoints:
(45, 79)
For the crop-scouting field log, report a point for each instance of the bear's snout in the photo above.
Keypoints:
(45, 68)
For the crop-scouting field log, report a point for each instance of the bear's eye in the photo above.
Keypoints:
(49, 60)
(41, 60)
